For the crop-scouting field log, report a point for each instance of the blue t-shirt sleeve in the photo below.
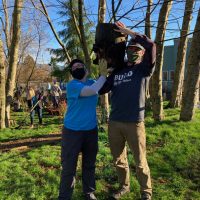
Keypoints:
(74, 89)
(90, 81)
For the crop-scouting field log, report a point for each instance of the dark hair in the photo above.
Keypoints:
(74, 61)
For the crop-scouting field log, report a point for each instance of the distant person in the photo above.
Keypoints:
(17, 105)
(128, 86)
(63, 86)
(45, 99)
(17, 97)
(49, 87)
(80, 132)
(34, 100)
(56, 93)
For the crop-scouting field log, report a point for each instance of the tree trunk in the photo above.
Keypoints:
(197, 95)
(199, 92)
(2, 87)
(80, 31)
(191, 84)
(181, 56)
(148, 34)
(148, 19)
(157, 103)
(104, 102)
(102, 11)
(83, 39)
(7, 35)
(14, 49)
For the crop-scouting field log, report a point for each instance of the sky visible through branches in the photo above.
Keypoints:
(135, 13)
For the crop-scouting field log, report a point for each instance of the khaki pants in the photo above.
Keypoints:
(134, 134)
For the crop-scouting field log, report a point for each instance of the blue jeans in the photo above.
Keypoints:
(74, 142)
(39, 112)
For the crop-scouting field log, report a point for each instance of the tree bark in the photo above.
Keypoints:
(148, 34)
(83, 38)
(157, 103)
(191, 84)
(148, 19)
(2, 87)
(7, 35)
(181, 57)
(102, 11)
(197, 94)
(104, 102)
(14, 49)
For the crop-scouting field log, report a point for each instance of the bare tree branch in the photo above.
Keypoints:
(44, 11)
(35, 63)
(6, 29)
(114, 10)
(75, 22)
(145, 17)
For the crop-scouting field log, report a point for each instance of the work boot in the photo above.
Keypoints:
(119, 193)
(90, 196)
(145, 196)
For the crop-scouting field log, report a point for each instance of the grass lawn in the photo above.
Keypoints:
(33, 172)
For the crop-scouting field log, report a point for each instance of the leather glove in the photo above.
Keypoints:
(103, 67)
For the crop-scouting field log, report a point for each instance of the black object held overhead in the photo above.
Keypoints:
(110, 44)
(106, 34)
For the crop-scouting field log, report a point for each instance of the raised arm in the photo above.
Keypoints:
(148, 44)
(95, 87)
(107, 85)
(150, 48)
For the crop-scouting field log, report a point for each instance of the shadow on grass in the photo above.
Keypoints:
(27, 148)
(31, 142)
(164, 122)
(29, 186)
(24, 118)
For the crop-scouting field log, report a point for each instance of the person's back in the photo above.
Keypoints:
(29, 96)
(30, 93)
(56, 93)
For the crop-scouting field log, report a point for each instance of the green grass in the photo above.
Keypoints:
(173, 157)
(51, 124)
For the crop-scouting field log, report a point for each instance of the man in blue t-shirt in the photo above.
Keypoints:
(128, 86)
(80, 129)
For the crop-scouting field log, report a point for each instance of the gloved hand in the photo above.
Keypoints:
(103, 67)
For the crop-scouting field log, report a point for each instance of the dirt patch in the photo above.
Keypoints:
(30, 142)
